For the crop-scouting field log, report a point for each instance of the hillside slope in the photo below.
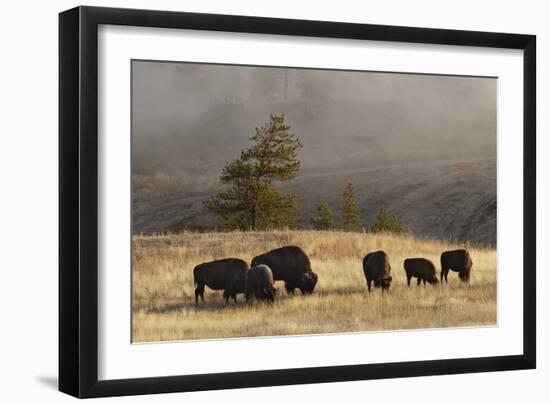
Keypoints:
(447, 200)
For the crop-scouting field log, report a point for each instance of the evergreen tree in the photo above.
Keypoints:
(385, 223)
(324, 219)
(351, 218)
(251, 201)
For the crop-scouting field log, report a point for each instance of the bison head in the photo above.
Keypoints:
(464, 276)
(385, 282)
(308, 281)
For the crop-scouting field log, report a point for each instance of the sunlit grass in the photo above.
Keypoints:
(164, 304)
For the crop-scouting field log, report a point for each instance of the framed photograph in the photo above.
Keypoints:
(250, 201)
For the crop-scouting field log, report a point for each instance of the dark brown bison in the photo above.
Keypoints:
(227, 274)
(376, 267)
(291, 265)
(259, 283)
(422, 269)
(458, 261)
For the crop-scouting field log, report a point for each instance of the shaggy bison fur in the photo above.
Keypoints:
(458, 261)
(291, 265)
(422, 269)
(259, 283)
(227, 274)
(376, 267)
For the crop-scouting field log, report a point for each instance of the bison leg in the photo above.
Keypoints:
(424, 282)
(444, 273)
(409, 280)
(199, 292)
(289, 289)
(418, 280)
(369, 281)
(228, 295)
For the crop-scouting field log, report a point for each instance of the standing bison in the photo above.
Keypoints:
(458, 261)
(259, 282)
(291, 265)
(376, 267)
(422, 269)
(227, 274)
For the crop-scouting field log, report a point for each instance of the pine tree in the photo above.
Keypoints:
(251, 201)
(325, 218)
(351, 218)
(385, 223)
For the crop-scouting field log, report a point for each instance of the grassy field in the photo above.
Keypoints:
(164, 307)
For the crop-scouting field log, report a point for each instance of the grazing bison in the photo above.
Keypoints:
(259, 282)
(291, 265)
(376, 267)
(422, 269)
(227, 274)
(458, 261)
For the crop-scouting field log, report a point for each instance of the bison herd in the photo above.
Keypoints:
(291, 265)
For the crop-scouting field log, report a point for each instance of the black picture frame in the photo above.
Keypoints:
(78, 201)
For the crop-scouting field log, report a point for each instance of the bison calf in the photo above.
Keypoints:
(422, 269)
(458, 261)
(227, 274)
(376, 267)
(291, 265)
(259, 282)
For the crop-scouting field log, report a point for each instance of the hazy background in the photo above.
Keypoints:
(422, 145)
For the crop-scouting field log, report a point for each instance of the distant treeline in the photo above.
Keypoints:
(250, 200)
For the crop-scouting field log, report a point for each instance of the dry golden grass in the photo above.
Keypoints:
(164, 303)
